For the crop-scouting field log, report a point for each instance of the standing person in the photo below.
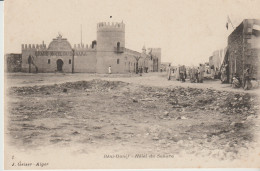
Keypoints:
(197, 75)
(201, 73)
(169, 72)
(182, 73)
(216, 73)
(185, 73)
(247, 81)
(177, 73)
(192, 75)
(223, 76)
(141, 71)
(109, 70)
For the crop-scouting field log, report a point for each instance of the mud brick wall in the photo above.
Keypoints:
(252, 62)
(13, 62)
(242, 50)
(86, 63)
(251, 48)
(235, 46)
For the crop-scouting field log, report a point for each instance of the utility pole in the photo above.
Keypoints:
(229, 21)
(232, 25)
(81, 35)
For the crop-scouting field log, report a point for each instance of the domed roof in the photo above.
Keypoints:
(60, 44)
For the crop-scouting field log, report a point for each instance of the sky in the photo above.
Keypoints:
(187, 31)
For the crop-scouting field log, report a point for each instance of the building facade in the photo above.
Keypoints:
(59, 56)
(155, 53)
(107, 51)
(243, 50)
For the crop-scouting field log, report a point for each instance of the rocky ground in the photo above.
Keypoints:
(132, 118)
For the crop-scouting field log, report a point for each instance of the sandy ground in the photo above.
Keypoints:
(127, 121)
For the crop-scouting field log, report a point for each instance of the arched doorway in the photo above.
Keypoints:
(59, 65)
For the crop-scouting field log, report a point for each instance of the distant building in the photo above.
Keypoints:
(243, 50)
(216, 59)
(211, 62)
(13, 62)
(108, 50)
(164, 65)
(155, 54)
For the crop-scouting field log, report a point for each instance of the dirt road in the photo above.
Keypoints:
(129, 116)
(148, 79)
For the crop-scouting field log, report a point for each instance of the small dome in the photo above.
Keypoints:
(59, 44)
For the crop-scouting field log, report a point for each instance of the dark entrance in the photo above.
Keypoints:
(59, 65)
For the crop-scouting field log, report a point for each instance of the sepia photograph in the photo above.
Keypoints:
(131, 84)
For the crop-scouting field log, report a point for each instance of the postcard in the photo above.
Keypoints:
(131, 84)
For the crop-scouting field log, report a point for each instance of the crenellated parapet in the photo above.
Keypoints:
(116, 26)
(33, 47)
(83, 47)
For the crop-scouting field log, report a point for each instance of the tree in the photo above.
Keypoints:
(137, 58)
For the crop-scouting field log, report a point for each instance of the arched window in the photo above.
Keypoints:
(118, 45)
(117, 61)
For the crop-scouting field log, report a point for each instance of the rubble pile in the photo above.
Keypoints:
(209, 99)
(93, 85)
(179, 98)
(192, 99)
(99, 113)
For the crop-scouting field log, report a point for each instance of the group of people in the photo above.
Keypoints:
(237, 83)
(181, 73)
(197, 74)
